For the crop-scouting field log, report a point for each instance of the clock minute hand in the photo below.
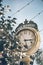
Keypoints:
(28, 39)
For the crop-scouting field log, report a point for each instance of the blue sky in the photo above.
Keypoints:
(27, 13)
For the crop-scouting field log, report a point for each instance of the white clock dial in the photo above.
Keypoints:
(26, 40)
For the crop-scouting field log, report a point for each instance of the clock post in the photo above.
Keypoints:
(28, 42)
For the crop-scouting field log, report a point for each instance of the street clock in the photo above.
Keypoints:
(28, 37)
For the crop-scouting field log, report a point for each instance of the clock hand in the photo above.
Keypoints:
(28, 39)
(25, 46)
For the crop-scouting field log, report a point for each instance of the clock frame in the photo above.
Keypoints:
(36, 45)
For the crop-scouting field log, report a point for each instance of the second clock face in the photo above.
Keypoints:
(26, 39)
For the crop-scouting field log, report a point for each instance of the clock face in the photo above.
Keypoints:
(26, 39)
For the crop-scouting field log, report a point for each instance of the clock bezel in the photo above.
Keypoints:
(37, 44)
